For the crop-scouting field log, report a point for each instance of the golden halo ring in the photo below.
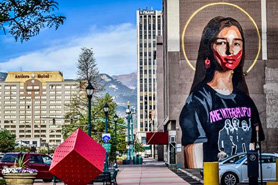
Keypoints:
(229, 4)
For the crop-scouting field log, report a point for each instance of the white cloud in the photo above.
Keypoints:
(114, 48)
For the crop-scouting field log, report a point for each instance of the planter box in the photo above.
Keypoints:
(20, 178)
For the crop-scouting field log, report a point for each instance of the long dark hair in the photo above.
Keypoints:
(210, 32)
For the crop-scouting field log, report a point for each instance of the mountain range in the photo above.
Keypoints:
(130, 80)
(122, 88)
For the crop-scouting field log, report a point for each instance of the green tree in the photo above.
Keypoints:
(87, 69)
(23, 149)
(98, 122)
(77, 110)
(139, 147)
(7, 141)
(25, 18)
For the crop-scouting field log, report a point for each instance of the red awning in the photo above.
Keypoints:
(157, 138)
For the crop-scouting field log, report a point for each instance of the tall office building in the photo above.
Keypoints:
(149, 26)
(31, 100)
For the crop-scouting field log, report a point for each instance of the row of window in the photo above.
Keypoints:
(51, 96)
(25, 121)
(149, 45)
(145, 36)
(151, 63)
(145, 54)
(146, 98)
(151, 107)
(146, 71)
(29, 106)
(146, 80)
(146, 89)
(149, 26)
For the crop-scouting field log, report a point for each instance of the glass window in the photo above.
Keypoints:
(36, 159)
(10, 158)
(143, 140)
(268, 159)
(233, 160)
(46, 159)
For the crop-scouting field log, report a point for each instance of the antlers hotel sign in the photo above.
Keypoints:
(28, 76)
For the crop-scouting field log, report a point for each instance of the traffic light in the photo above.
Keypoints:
(54, 121)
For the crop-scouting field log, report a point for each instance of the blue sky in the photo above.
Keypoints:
(107, 26)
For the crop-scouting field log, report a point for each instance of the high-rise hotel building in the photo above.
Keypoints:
(31, 100)
(149, 26)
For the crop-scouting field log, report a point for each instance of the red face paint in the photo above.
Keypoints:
(229, 62)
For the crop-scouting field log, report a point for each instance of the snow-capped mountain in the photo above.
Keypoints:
(130, 80)
(120, 92)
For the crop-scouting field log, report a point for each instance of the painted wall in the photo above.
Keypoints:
(262, 80)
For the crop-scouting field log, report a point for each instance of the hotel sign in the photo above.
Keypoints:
(22, 76)
(28, 76)
(43, 75)
(147, 12)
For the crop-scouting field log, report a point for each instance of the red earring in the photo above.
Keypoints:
(207, 63)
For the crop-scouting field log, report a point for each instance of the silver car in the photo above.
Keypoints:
(233, 170)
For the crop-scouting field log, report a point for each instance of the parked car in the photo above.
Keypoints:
(233, 169)
(40, 162)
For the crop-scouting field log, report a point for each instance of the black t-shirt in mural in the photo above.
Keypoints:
(218, 120)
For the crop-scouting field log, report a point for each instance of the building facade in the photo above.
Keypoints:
(149, 26)
(183, 23)
(33, 105)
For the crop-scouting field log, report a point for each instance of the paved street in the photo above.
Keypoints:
(149, 173)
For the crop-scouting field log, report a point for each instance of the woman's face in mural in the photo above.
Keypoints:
(228, 48)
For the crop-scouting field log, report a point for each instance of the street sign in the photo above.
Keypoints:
(106, 137)
(178, 148)
(107, 147)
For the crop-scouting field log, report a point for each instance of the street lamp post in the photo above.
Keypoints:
(128, 112)
(115, 138)
(132, 140)
(106, 109)
(90, 90)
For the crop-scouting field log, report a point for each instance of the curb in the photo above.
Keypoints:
(192, 176)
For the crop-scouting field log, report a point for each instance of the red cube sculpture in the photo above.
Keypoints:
(78, 160)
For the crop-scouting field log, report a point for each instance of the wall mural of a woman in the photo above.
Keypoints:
(219, 113)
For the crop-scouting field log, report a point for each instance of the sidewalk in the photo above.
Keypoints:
(150, 172)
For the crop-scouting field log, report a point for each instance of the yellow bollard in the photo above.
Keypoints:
(211, 173)
(276, 169)
(272, 183)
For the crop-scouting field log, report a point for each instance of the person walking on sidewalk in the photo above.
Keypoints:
(222, 155)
